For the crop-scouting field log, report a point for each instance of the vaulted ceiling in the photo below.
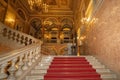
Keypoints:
(56, 7)
(72, 10)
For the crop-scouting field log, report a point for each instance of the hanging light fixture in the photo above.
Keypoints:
(38, 5)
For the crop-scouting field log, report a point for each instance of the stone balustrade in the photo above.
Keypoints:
(16, 36)
(15, 64)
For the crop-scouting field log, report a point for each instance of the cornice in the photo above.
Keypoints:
(51, 15)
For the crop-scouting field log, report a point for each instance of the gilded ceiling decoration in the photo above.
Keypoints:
(51, 2)
(59, 7)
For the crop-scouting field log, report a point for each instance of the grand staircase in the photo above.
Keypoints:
(24, 60)
(70, 68)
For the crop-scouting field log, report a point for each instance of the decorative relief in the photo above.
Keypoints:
(51, 2)
(36, 23)
(64, 2)
(53, 32)
(21, 14)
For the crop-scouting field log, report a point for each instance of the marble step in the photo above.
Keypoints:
(41, 77)
(46, 59)
(98, 66)
(108, 75)
(46, 67)
(95, 63)
(44, 64)
(34, 77)
(110, 79)
(100, 71)
(48, 62)
(92, 60)
(42, 67)
(38, 71)
(103, 70)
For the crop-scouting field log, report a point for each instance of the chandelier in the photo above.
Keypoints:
(38, 5)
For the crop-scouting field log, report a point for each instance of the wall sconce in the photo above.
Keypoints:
(82, 38)
(47, 36)
(85, 20)
(61, 36)
(94, 20)
(10, 22)
(77, 37)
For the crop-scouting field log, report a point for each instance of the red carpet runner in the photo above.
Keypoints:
(71, 68)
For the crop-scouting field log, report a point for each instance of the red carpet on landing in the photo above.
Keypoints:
(71, 68)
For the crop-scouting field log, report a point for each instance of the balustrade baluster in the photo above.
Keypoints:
(36, 54)
(9, 34)
(39, 50)
(20, 64)
(30, 59)
(15, 37)
(23, 40)
(12, 70)
(30, 41)
(26, 40)
(19, 39)
(25, 67)
(33, 56)
(3, 74)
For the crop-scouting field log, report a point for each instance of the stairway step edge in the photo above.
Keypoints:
(39, 71)
(41, 67)
(102, 70)
(44, 64)
(35, 77)
(109, 79)
(98, 66)
(87, 56)
(49, 63)
(108, 76)
(95, 63)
